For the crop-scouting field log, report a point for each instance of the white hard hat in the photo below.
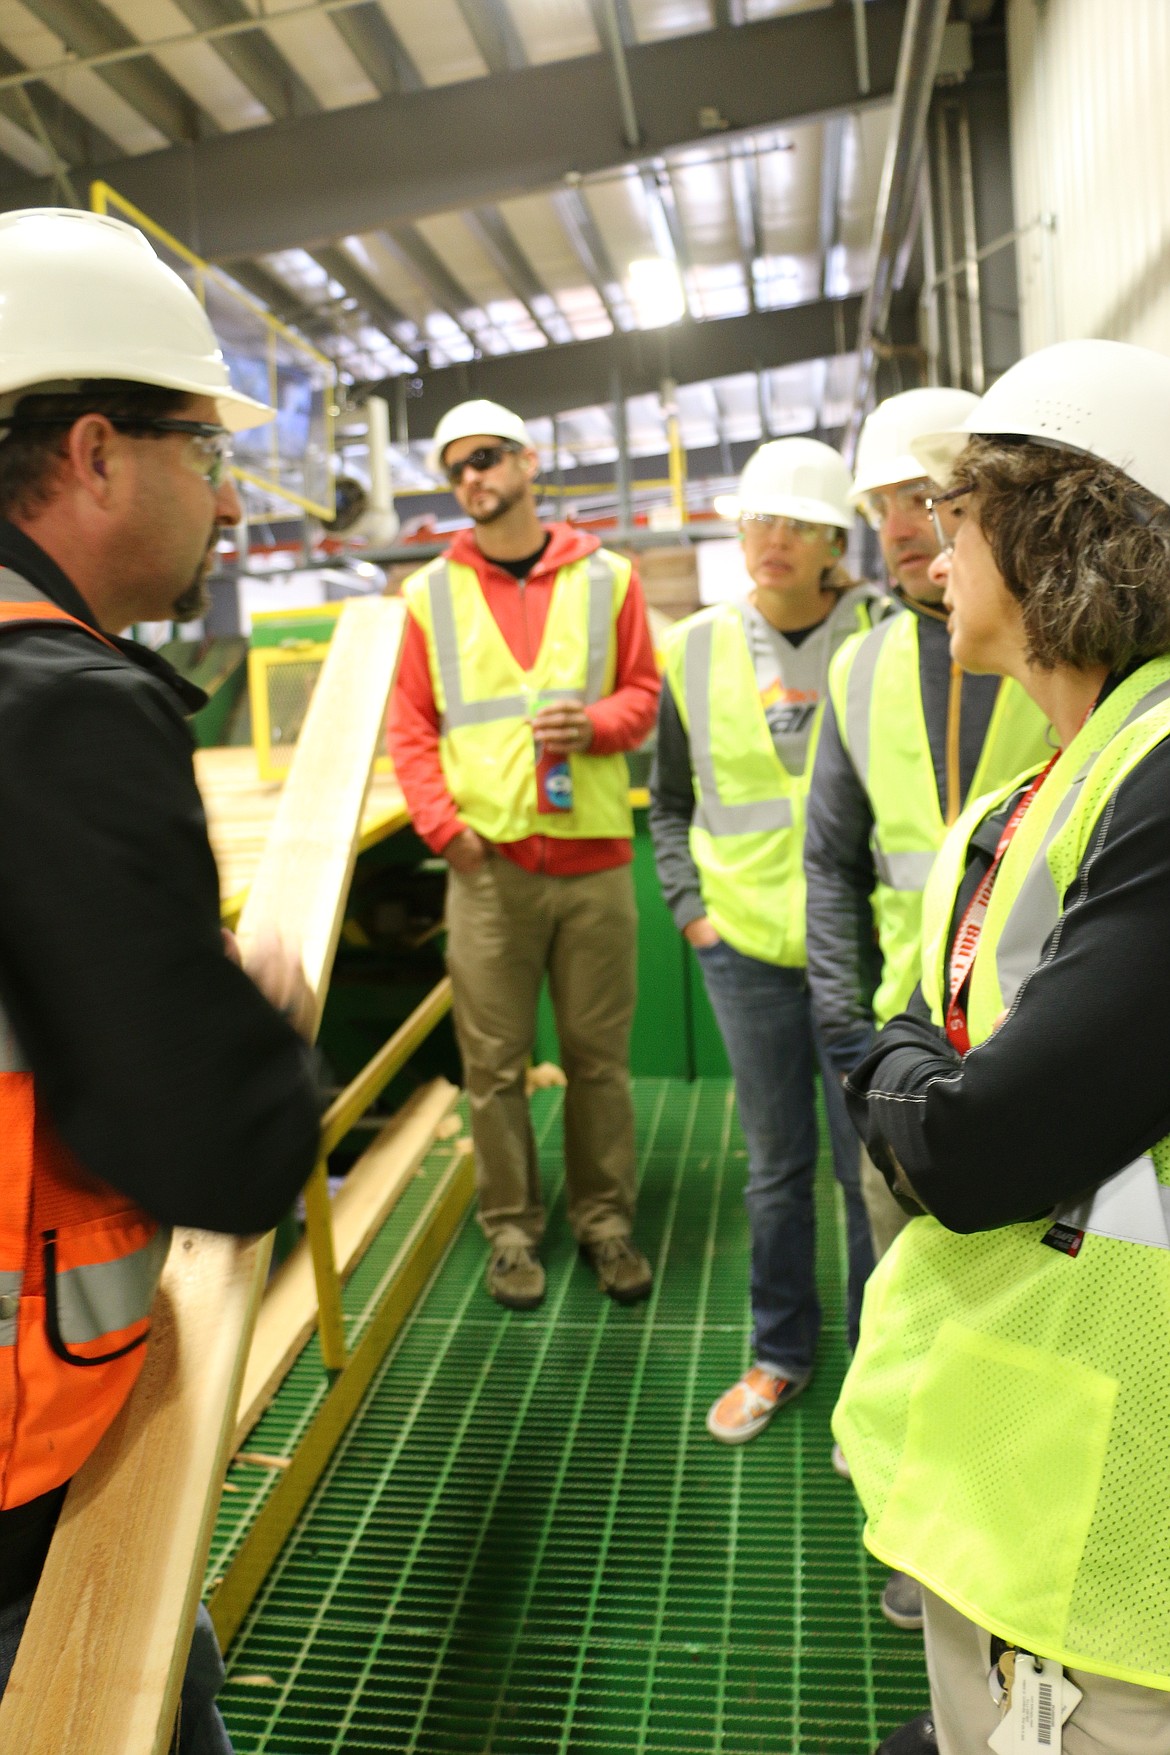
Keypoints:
(470, 418)
(84, 296)
(797, 478)
(884, 455)
(1106, 399)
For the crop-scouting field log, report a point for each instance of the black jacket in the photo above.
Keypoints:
(164, 1069)
(1074, 1084)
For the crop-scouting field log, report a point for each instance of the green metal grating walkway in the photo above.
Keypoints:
(526, 1543)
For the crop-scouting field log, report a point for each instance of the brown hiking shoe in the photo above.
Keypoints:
(515, 1277)
(621, 1269)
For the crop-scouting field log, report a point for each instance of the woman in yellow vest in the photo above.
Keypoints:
(1007, 1414)
(737, 732)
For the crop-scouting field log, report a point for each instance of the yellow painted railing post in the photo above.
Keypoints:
(319, 1230)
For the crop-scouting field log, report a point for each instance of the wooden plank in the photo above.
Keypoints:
(102, 1659)
(240, 809)
(360, 1208)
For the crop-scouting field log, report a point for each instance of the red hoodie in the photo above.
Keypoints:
(620, 721)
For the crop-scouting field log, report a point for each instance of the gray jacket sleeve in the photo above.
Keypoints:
(844, 964)
(672, 805)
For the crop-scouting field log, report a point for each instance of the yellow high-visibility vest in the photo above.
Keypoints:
(1007, 1413)
(747, 833)
(485, 697)
(874, 682)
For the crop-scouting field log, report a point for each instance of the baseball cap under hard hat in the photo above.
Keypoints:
(884, 455)
(1104, 399)
(471, 418)
(83, 296)
(797, 478)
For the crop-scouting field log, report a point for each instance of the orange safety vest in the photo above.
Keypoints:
(79, 1263)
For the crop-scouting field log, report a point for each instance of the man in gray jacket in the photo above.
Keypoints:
(906, 740)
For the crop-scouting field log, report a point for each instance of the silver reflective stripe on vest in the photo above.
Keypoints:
(859, 697)
(111, 1295)
(12, 1055)
(11, 1281)
(711, 812)
(1036, 909)
(600, 622)
(14, 588)
(458, 711)
(902, 871)
(463, 712)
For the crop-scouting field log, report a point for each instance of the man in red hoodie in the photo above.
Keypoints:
(527, 670)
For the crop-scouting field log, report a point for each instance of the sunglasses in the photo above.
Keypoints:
(211, 444)
(484, 457)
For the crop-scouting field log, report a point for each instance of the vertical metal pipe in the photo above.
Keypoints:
(955, 373)
(929, 302)
(970, 246)
(621, 433)
(677, 454)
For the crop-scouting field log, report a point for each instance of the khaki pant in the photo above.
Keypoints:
(1114, 1718)
(507, 928)
(886, 1217)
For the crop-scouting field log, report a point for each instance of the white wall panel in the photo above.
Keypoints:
(1091, 151)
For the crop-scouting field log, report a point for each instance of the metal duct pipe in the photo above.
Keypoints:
(922, 35)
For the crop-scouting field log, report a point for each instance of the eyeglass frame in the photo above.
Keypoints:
(946, 544)
(802, 528)
(216, 439)
(496, 453)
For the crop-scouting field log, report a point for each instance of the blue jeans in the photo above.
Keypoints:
(200, 1730)
(765, 1018)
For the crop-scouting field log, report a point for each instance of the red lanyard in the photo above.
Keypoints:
(966, 943)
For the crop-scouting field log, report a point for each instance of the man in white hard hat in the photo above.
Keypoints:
(526, 673)
(146, 1080)
(737, 728)
(908, 739)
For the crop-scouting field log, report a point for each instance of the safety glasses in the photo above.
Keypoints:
(944, 537)
(210, 444)
(768, 522)
(911, 499)
(482, 458)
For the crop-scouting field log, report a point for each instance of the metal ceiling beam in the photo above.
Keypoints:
(279, 298)
(382, 312)
(254, 59)
(397, 159)
(74, 139)
(581, 374)
(494, 237)
(378, 49)
(87, 28)
(588, 245)
(743, 170)
(494, 33)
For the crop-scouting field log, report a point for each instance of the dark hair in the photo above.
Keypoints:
(1083, 548)
(29, 457)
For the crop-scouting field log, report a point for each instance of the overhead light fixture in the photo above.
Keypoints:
(656, 292)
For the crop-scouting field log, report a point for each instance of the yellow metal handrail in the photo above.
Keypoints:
(339, 1118)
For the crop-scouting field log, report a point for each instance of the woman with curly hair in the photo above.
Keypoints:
(1007, 1415)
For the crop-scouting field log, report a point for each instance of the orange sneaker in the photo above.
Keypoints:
(745, 1408)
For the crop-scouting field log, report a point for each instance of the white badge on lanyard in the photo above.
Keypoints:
(1131, 1206)
(1042, 1698)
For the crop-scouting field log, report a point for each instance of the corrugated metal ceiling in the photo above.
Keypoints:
(759, 222)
